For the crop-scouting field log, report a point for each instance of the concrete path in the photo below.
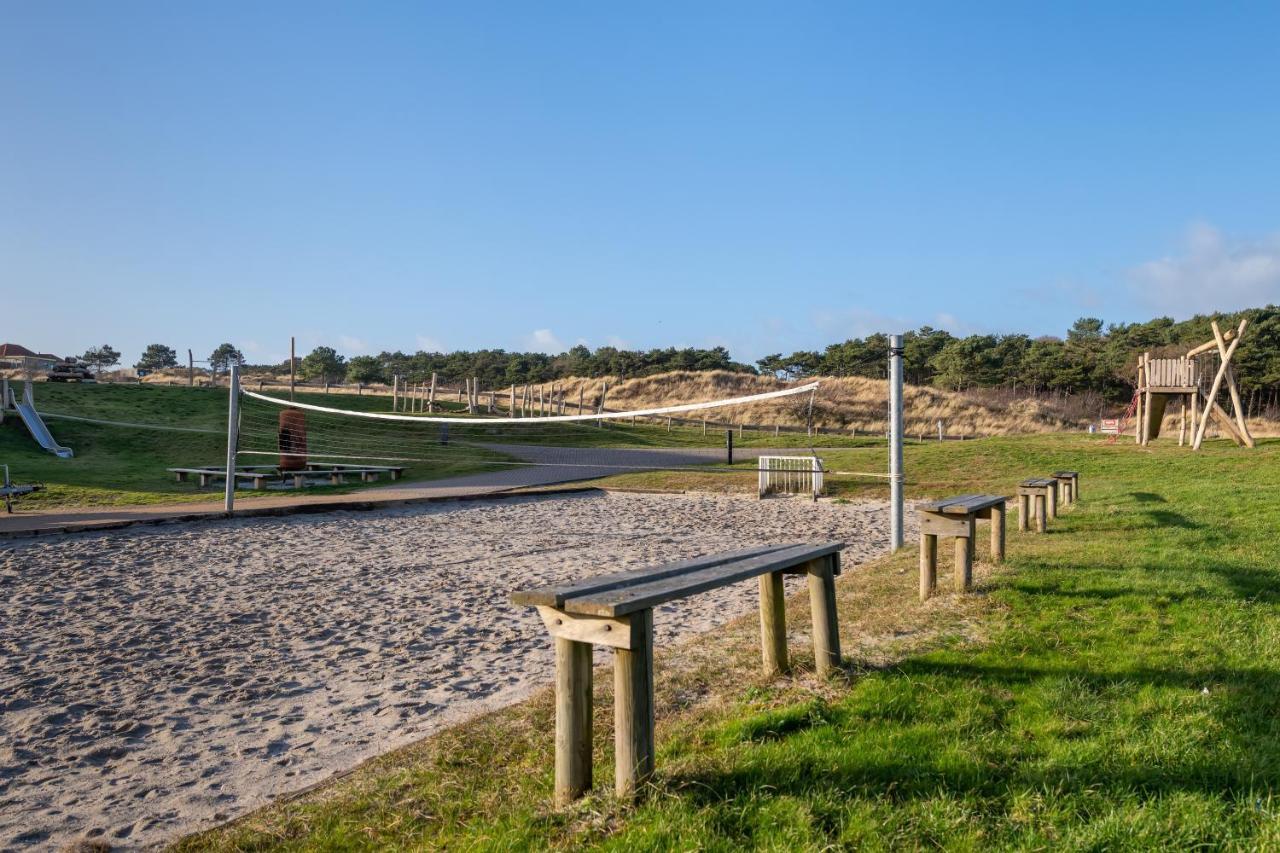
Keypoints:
(551, 466)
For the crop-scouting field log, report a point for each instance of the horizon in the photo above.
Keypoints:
(769, 180)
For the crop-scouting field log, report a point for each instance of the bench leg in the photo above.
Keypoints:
(204, 480)
(997, 534)
(395, 475)
(973, 541)
(928, 565)
(1051, 496)
(1075, 489)
(964, 563)
(822, 605)
(335, 479)
(773, 624)
(633, 708)
(1042, 522)
(1024, 511)
(573, 719)
(259, 483)
(299, 481)
(182, 476)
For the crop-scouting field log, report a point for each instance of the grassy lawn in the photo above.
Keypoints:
(115, 466)
(1109, 687)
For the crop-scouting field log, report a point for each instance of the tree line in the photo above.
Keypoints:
(1093, 357)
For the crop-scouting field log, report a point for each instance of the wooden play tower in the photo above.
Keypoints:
(1163, 379)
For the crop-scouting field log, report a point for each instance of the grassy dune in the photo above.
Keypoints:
(1109, 687)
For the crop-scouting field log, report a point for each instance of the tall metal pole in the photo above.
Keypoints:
(895, 440)
(191, 370)
(233, 436)
(292, 357)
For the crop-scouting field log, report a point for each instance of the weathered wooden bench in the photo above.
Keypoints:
(1068, 485)
(395, 471)
(957, 517)
(1037, 497)
(208, 475)
(617, 610)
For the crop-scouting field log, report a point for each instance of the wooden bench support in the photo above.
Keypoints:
(928, 564)
(633, 708)
(822, 604)
(997, 533)
(773, 624)
(573, 719)
(1068, 486)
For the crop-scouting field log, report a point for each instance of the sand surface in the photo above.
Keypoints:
(156, 681)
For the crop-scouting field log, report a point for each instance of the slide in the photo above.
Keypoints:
(35, 423)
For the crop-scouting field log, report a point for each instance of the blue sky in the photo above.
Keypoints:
(531, 175)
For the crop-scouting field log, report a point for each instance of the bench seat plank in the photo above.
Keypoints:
(1039, 483)
(963, 504)
(644, 596)
(556, 596)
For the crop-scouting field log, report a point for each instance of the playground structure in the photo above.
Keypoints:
(26, 409)
(1161, 380)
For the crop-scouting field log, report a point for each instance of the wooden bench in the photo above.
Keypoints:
(396, 471)
(1037, 496)
(957, 517)
(1069, 485)
(208, 475)
(617, 610)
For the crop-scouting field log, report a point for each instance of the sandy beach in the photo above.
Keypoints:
(157, 681)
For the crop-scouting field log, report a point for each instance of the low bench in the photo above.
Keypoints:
(260, 474)
(617, 610)
(957, 517)
(1068, 484)
(1037, 497)
(208, 475)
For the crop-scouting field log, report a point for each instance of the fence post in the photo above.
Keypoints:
(895, 439)
(233, 436)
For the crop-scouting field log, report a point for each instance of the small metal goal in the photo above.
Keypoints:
(790, 475)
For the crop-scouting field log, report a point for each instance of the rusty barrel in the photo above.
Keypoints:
(293, 440)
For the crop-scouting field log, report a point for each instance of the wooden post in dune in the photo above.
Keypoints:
(580, 387)
(395, 392)
(431, 396)
(541, 410)
(511, 409)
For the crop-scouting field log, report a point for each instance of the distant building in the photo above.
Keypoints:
(18, 356)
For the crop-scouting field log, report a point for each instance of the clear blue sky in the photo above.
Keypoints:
(767, 177)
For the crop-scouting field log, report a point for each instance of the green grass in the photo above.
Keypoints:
(1112, 686)
(118, 466)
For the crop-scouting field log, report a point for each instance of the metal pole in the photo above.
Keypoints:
(233, 435)
(292, 357)
(895, 440)
(728, 445)
(191, 370)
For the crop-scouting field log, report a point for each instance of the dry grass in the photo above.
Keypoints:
(850, 403)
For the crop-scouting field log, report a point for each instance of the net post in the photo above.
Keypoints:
(233, 436)
(895, 440)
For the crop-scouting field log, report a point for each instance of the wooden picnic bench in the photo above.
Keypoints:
(616, 610)
(1069, 485)
(1037, 497)
(957, 517)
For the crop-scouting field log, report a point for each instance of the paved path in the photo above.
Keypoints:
(552, 466)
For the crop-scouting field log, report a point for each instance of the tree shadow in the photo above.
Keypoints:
(1147, 498)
